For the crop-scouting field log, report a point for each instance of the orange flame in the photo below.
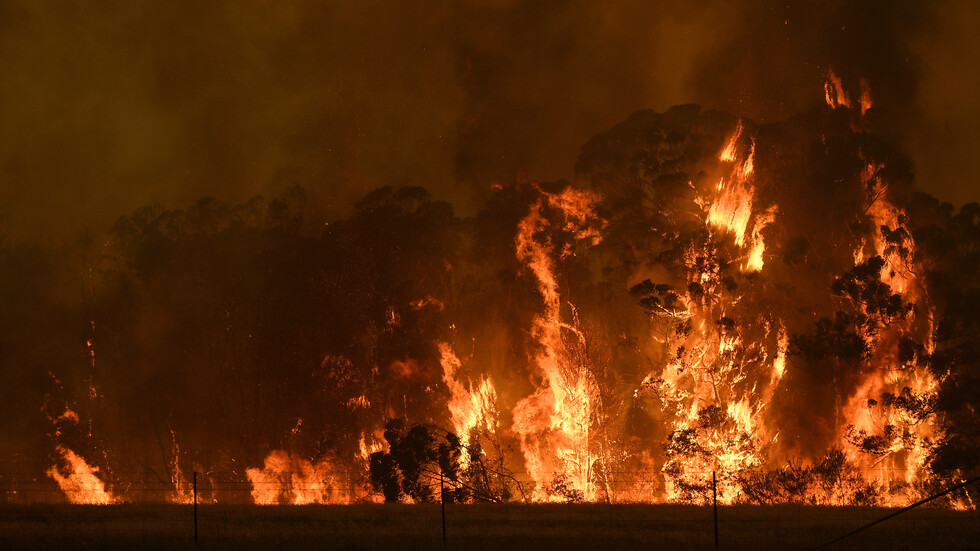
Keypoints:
(82, 485)
(288, 478)
(728, 154)
(834, 91)
(755, 261)
(553, 423)
(183, 489)
(732, 209)
(469, 409)
(898, 461)
(865, 99)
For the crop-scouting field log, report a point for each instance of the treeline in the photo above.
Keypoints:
(232, 330)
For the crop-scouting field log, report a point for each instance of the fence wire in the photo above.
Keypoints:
(623, 486)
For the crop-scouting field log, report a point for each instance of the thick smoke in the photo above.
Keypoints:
(771, 54)
(107, 108)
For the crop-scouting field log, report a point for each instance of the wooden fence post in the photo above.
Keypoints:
(195, 506)
(714, 492)
(442, 501)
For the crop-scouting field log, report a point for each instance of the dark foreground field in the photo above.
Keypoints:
(477, 527)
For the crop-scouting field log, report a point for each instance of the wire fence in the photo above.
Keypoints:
(300, 488)
(362, 526)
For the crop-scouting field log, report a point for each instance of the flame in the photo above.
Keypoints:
(728, 154)
(377, 444)
(288, 478)
(711, 391)
(779, 364)
(701, 389)
(731, 211)
(470, 410)
(865, 99)
(883, 213)
(69, 416)
(755, 261)
(183, 489)
(834, 91)
(81, 486)
(733, 208)
(554, 422)
(901, 456)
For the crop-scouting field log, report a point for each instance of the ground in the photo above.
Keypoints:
(477, 527)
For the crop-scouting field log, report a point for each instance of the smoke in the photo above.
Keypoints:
(107, 108)
(914, 55)
(769, 55)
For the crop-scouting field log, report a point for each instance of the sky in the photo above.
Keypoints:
(109, 106)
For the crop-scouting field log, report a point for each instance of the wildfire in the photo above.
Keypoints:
(81, 485)
(731, 210)
(779, 364)
(865, 100)
(755, 261)
(553, 423)
(183, 488)
(288, 478)
(834, 91)
(470, 410)
(728, 154)
(366, 449)
(898, 435)
(703, 379)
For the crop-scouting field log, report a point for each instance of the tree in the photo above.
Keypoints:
(417, 457)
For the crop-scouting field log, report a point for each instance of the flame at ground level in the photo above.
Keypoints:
(81, 484)
(289, 479)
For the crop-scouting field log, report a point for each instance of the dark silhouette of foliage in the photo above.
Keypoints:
(416, 458)
(831, 481)
(863, 285)
(833, 338)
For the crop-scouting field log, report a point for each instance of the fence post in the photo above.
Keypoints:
(442, 502)
(195, 506)
(900, 511)
(714, 492)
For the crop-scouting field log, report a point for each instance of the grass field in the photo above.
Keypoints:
(477, 527)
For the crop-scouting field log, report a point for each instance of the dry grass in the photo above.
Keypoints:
(476, 527)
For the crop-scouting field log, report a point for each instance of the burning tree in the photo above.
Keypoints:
(772, 302)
